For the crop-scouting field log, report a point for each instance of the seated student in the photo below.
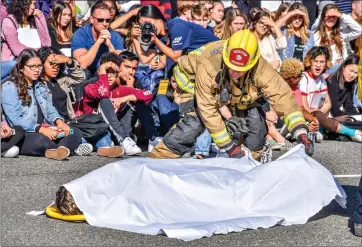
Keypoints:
(200, 15)
(59, 84)
(183, 36)
(184, 9)
(10, 137)
(92, 40)
(111, 96)
(60, 26)
(291, 71)
(341, 87)
(262, 26)
(27, 103)
(24, 27)
(166, 107)
(312, 85)
(235, 20)
(296, 32)
(216, 13)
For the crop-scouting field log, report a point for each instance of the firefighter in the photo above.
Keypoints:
(230, 73)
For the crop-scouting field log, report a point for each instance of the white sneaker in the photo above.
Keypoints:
(152, 144)
(130, 147)
(319, 137)
(12, 152)
(83, 149)
(357, 137)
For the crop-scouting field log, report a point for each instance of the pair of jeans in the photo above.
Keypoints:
(6, 67)
(14, 140)
(203, 142)
(104, 141)
(36, 144)
(121, 124)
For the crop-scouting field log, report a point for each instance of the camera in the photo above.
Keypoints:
(147, 30)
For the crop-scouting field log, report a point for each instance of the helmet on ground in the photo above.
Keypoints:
(241, 51)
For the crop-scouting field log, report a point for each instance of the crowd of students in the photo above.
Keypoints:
(84, 76)
(65, 71)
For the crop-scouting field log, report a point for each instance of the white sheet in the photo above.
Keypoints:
(190, 199)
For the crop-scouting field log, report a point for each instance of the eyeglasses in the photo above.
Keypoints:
(101, 20)
(112, 74)
(34, 67)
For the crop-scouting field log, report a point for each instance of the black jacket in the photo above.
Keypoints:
(341, 99)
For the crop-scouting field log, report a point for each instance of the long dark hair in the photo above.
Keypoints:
(338, 75)
(44, 53)
(150, 11)
(335, 34)
(17, 76)
(57, 11)
(256, 18)
(19, 9)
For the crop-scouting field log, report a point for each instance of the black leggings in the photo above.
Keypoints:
(36, 144)
(14, 140)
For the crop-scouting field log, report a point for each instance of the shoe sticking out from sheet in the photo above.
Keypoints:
(176, 197)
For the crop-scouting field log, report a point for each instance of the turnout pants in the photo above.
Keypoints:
(183, 135)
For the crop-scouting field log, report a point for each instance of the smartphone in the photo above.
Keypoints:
(12, 132)
(62, 134)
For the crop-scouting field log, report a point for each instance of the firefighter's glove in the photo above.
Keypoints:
(308, 144)
(236, 125)
(235, 151)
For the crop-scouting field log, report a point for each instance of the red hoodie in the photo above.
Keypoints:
(94, 92)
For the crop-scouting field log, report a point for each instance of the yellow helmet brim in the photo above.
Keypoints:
(226, 59)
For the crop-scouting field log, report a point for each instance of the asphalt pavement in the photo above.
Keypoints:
(29, 183)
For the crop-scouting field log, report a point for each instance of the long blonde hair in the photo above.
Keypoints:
(304, 33)
(223, 30)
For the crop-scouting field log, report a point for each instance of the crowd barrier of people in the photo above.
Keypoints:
(115, 76)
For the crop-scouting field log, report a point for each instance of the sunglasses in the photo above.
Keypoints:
(101, 20)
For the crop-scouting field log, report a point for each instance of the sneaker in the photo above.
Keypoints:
(113, 152)
(357, 137)
(130, 147)
(287, 145)
(83, 149)
(267, 155)
(11, 153)
(319, 137)
(274, 145)
(358, 230)
(59, 153)
(152, 144)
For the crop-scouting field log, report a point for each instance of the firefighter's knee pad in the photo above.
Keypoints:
(162, 152)
(258, 129)
(182, 137)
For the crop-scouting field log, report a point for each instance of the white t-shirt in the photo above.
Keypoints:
(314, 88)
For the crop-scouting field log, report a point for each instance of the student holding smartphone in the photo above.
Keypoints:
(26, 102)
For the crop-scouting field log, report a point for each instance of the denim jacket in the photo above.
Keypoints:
(288, 52)
(26, 116)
